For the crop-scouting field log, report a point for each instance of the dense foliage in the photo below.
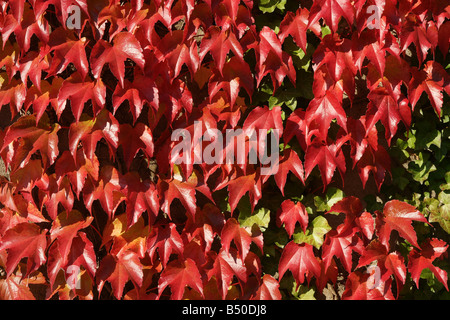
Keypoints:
(95, 207)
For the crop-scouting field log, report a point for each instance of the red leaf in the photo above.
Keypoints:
(413, 31)
(263, 118)
(219, 42)
(67, 50)
(296, 126)
(268, 289)
(226, 265)
(118, 270)
(323, 110)
(176, 53)
(300, 260)
(327, 274)
(422, 259)
(210, 216)
(433, 79)
(239, 186)
(167, 240)
(134, 97)
(134, 139)
(42, 97)
(140, 197)
(125, 46)
(388, 263)
(361, 138)
(385, 108)
(443, 38)
(78, 170)
(6, 195)
(376, 161)
(55, 193)
(25, 179)
(13, 94)
(289, 163)
(398, 215)
(326, 157)
(273, 60)
(360, 287)
(354, 216)
(367, 224)
(178, 275)
(342, 246)
(110, 191)
(89, 132)
(82, 254)
(336, 54)
(13, 288)
(42, 137)
(331, 11)
(242, 239)
(236, 74)
(184, 191)
(290, 213)
(24, 240)
(65, 228)
(31, 66)
(368, 46)
(79, 92)
(29, 26)
(296, 26)
(351, 206)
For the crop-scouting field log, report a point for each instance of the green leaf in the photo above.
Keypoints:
(431, 205)
(303, 293)
(332, 196)
(283, 97)
(314, 233)
(446, 186)
(420, 168)
(325, 31)
(398, 174)
(442, 216)
(277, 237)
(269, 6)
(260, 217)
(444, 197)
(301, 59)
